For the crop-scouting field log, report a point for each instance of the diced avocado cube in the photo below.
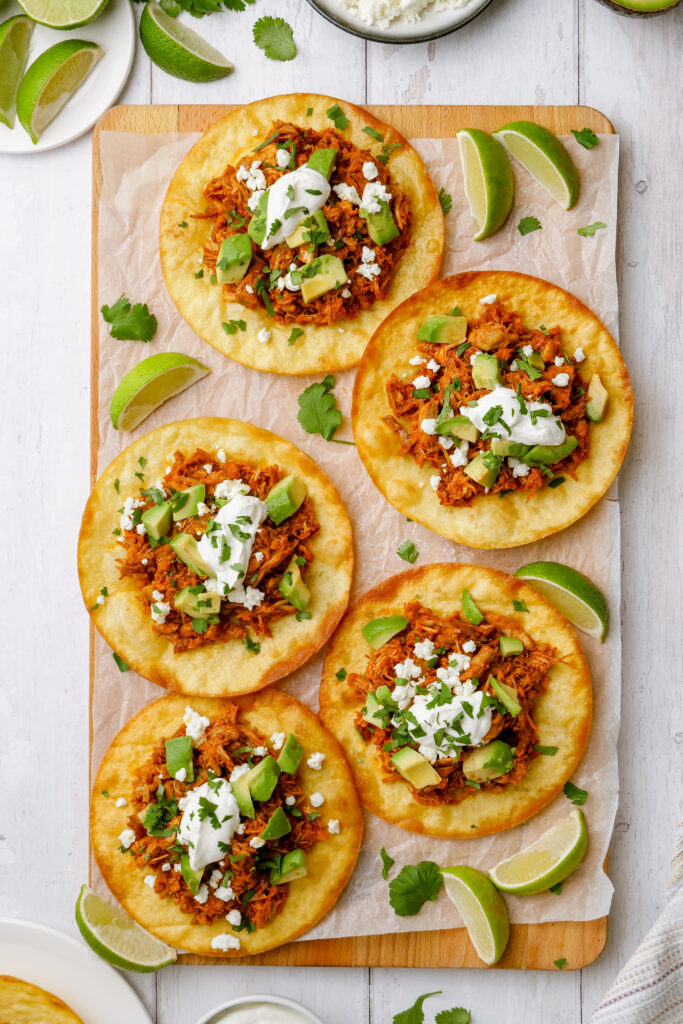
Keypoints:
(415, 768)
(486, 371)
(597, 399)
(293, 588)
(471, 609)
(372, 712)
(192, 877)
(285, 498)
(290, 755)
(484, 468)
(548, 455)
(259, 221)
(309, 230)
(199, 606)
(178, 756)
(329, 274)
(187, 550)
(278, 825)
(499, 446)
(535, 360)
(382, 227)
(233, 260)
(262, 779)
(185, 503)
(157, 521)
(292, 866)
(322, 161)
(378, 631)
(510, 645)
(459, 426)
(506, 695)
(443, 330)
(488, 762)
(240, 791)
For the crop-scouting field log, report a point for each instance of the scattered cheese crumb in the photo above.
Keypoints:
(417, 361)
(127, 838)
(561, 380)
(370, 171)
(121, 802)
(428, 426)
(263, 336)
(290, 801)
(277, 739)
(333, 827)
(195, 725)
(315, 761)
(207, 467)
(434, 482)
(150, 880)
(469, 647)
(181, 775)
(488, 300)
(224, 942)
(202, 894)
(579, 355)
(559, 360)
(256, 843)
(421, 382)
(234, 918)
(221, 456)
(317, 799)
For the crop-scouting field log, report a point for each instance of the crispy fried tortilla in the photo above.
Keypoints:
(561, 714)
(329, 862)
(123, 619)
(493, 520)
(230, 140)
(24, 1003)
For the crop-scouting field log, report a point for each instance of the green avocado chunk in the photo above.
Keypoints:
(322, 161)
(597, 399)
(278, 825)
(310, 231)
(259, 221)
(484, 468)
(372, 712)
(488, 762)
(157, 521)
(459, 426)
(292, 866)
(499, 446)
(443, 330)
(378, 631)
(382, 227)
(185, 503)
(293, 588)
(328, 274)
(192, 877)
(187, 550)
(233, 260)
(471, 609)
(486, 371)
(535, 360)
(262, 779)
(548, 455)
(506, 695)
(178, 756)
(290, 755)
(285, 497)
(240, 791)
(510, 645)
(415, 768)
(199, 606)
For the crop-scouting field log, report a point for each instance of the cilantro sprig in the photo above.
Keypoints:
(415, 1014)
(528, 224)
(415, 885)
(275, 37)
(576, 795)
(445, 200)
(128, 322)
(407, 551)
(387, 863)
(337, 117)
(318, 412)
(590, 229)
(586, 137)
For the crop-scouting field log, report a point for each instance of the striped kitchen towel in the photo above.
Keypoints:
(649, 989)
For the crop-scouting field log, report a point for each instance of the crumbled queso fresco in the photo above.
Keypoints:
(385, 13)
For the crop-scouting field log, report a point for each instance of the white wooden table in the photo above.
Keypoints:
(518, 51)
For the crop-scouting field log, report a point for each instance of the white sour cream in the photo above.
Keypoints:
(197, 826)
(525, 428)
(289, 193)
(244, 513)
(261, 1013)
(474, 727)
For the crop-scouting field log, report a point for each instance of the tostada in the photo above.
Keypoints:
(493, 407)
(214, 557)
(291, 229)
(461, 697)
(225, 827)
(22, 1002)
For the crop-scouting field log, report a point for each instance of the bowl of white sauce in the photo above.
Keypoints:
(260, 1010)
(400, 21)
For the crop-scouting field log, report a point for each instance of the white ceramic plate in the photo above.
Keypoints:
(430, 26)
(114, 31)
(69, 969)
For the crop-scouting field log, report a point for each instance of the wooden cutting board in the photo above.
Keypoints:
(531, 946)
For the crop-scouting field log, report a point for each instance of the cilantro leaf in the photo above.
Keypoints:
(233, 326)
(550, 751)
(407, 551)
(556, 889)
(200, 625)
(590, 229)
(519, 606)
(586, 137)
(561, 963)
(318, 412)
(129, 323)
(120, 663)
(445, 200)
(373, 134)
(387, 863)
(458, 1015)
(296, 333)
(573, 793)
(341, 675)
(338, 117)
(415, 1014)
(251, 645)
(275, 37)
(387, 149)
(414, 885)
(528, 224)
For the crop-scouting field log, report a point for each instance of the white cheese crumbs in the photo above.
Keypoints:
(579, 355)
(195, 725)
(225, 942)
(129, 506)
(282, 157)
(260, 751)
(263, 336)
(370, 171)
(181, 775)
(250, 598)
(434, 482)
(469, 647)
(150, 880)
(234, 918)
(433, 366)
(238, 771)
(224, 893)
(527, 350)
(168, 470)
(374, 194)
(215, 878)
(446, 442)
(177, 868)
(342, 330)
(207, 467)
(421, 483)
(473, 356)
(99, 599)
(347, 193)
(166, 866)
(559, 360)
(333, 827)
(121, 802)
(290, 801)
(421, 382)
(254, 200)
(278, 740)
(249, 288)
(518, 467)
(407, 669)
(221, 456)
(417, 361)
(317, 799)
(513, 365)
(258, 556)
(141, 529)
(424, 649)
(488, 300)
(145, 561)
(255, 132)
(346, 294)
(459, 456)
(160, 611)
(240, 829)
(368, 255)
(202, 507)
(227, 489)
(127, 838)
(561, 380)
(315, 761)
(256, 843)
(253, 178)
(428, 426)
(157, 595)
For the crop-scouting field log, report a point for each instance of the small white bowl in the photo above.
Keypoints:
(249, 1000)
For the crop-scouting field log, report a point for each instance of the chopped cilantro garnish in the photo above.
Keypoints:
(116, 485)
(586, 137)
(414, 886)
(296, 333)
(233, 326)
(573, 793)
(275, 37)
(387, 863)
(200, 273)
(251, 645)
(341, 675)
(105, 792)
(120, 663)
(457, 1015)
(309, 111)
(454, 312)
(462, 348)
(129, 323)
(300, 616)
(338, 117)
(200, 625)
(387, 149)
(556, 482)
(373, 134)
(561, 963)
(213, 279)
(445, 200)
(528, 224)
(590, 229)
(556, 889)
(318, 412)
(407, 551)
(183, 224)
(519, 606)
(545, 750)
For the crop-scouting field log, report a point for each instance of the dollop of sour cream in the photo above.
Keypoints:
(261, 1013)
(228, 550)
(474, 726)
(525, 428)
(210, 817)
(291, 198)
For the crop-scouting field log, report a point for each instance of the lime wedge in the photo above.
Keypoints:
(549, 860)
(51, 81)
(572, 593)
(482, 908)
(489, 185)
(15, 36)
(544, 157)
(63, 13)
(116, 937)
(151, 383)
(178, 50)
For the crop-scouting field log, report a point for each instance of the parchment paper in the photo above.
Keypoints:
(136, 171)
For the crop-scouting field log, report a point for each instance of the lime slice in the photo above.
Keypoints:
(482, 908)
(15, 36)
(51, 81)
(544, 157)
(63, 13)
(151, 383)
(549, 860)
(116, 937)
(488, 180)
(178, 50)
(572, 593)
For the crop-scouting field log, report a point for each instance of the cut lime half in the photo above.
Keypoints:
(178, 50)
(151, 383)
(15, 36)
(544, 157)
(117, 938)
(482, 908)
(488, 180)
(63, 13)
(51, 81)
(549, 860)
(572, 593)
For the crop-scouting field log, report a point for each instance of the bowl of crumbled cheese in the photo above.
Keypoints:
(400, 21)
